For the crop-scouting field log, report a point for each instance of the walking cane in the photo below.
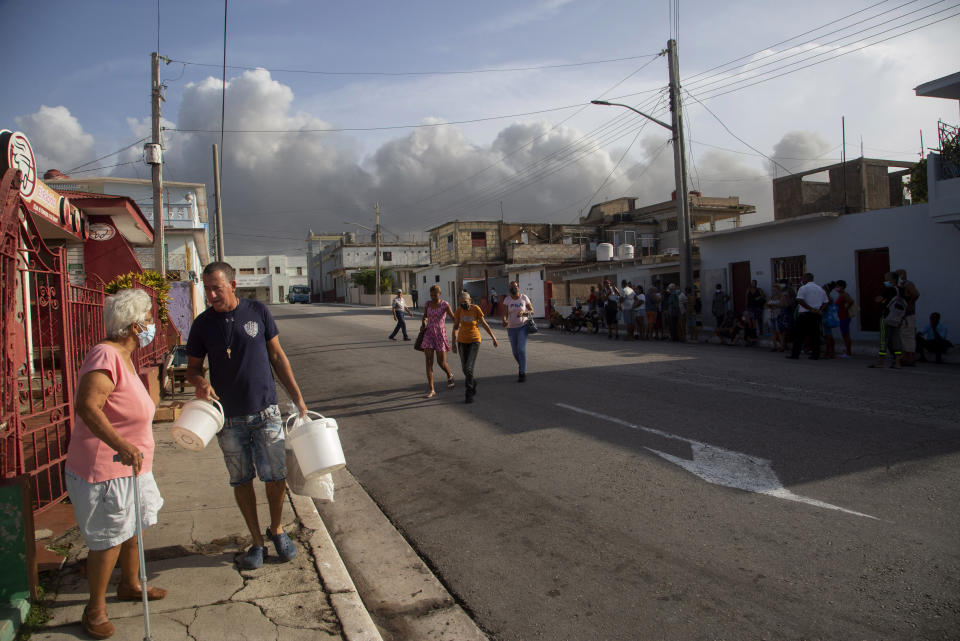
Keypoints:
(143, 565)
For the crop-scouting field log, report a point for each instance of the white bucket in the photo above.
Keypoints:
(197, 424)
(316, 445)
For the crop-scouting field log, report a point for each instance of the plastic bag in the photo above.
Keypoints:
(319, 488)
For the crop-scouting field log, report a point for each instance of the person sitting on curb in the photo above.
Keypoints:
(725, 330)
(933, 338)
(240, 339)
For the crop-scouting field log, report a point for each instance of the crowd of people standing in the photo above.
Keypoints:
(813, 319)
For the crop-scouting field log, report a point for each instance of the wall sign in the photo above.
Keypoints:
(102, 231)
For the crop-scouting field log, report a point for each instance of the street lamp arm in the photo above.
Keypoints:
(620, 104)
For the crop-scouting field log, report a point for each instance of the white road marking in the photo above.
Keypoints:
(725, 467)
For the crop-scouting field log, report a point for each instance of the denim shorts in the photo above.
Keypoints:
(254, 441)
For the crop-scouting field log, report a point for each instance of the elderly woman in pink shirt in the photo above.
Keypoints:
(114, 417)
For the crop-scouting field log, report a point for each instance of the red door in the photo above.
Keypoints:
(739, 284)
(872, 264)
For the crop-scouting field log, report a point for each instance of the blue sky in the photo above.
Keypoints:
(82, 91)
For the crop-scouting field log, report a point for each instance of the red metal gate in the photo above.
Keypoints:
(47, 326)
(38, 359)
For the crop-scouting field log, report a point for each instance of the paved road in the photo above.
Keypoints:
(656, 491)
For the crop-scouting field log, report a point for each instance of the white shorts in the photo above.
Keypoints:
(105, 511)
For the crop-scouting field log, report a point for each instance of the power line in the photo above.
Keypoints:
(615, 167)
(121, 150)
(383, 128)
(777, 44)
(701, 84)
(532, 140)
(422, 73)
(120, 164)
(722, 124)
(570, 154)
(716, 91)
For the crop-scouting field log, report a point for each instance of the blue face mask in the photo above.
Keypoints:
(888, 283)
(147, 335)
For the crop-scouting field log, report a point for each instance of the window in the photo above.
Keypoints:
(261, 270)
(246, 270)
(450, 242)
(789, 267)
(478, 239)
(623, 237)
(299, 271)
(276, 270)
(387, 255)
(671, 224)
(424, 282)
(436, 278)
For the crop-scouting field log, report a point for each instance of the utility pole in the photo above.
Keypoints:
(218, 213)
(377, 234)
(679, 163)
(680, 170)
(155, 159)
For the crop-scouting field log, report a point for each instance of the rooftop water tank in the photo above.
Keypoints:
(625, 251)
(604, 252)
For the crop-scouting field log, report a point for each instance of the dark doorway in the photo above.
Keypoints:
(739, 284)
(872, 264)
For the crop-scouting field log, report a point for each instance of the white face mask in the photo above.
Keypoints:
(147, 335)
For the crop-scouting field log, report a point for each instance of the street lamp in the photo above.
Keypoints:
(680, 177)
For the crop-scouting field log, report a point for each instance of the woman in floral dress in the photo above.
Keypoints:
(435, 336)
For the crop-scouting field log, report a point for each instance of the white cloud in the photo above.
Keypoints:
(58, 139)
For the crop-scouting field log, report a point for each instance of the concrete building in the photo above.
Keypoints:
(858, 248)
(645, 243)
(316, 245)
(482, 255)
(185, 221)
(268, 278)
(857, 185)
(348, 256)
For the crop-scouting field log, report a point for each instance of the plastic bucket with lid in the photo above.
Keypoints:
(198, 422)
(316, 445)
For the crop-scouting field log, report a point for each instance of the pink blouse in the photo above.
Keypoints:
(129, 409)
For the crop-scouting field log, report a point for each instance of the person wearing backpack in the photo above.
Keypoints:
(894, 309)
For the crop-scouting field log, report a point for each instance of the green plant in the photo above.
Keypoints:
(917, 184)
(367, 279)
(152, 279)
(36, 619)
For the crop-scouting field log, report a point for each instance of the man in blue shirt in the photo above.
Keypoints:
(239, 339)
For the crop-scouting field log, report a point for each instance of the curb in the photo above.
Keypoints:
(354, 617)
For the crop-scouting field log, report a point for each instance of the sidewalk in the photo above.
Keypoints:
(191, 552)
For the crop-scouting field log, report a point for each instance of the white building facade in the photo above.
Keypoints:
(269, 278)
(344, 259)
(857, 248)
(186, 241)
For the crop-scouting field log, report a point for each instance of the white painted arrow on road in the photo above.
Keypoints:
(724, 467)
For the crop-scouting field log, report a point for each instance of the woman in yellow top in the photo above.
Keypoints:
(465, 321)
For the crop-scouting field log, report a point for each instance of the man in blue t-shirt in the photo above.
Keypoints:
(239, 339)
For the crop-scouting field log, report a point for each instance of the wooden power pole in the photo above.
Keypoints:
(154, 156)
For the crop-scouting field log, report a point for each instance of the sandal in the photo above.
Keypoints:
(450, 383)
(153, 594)
(431, 394)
